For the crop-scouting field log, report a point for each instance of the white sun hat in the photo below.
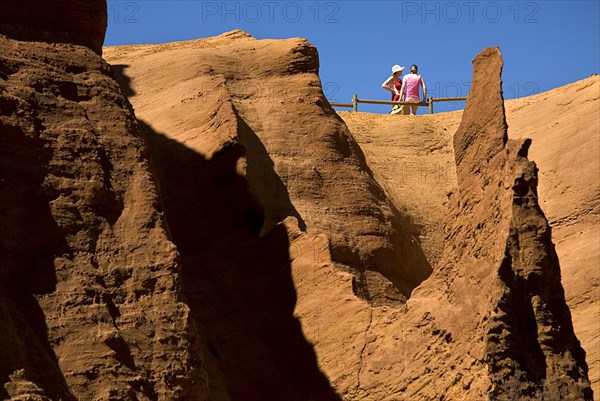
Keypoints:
(397, 68)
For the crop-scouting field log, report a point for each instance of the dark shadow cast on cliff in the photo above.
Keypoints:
(261, 171)
(236, 269)
(123, 79)
(238, 283)
(29, 241)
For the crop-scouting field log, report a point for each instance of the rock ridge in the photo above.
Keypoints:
(491, 322)
(301, 159)
(239, 265)
(530, 343)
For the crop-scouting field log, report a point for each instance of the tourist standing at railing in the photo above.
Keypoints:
(394, 85)
(410, 89)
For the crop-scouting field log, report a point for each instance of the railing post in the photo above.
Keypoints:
(354, 103)
(430, 105)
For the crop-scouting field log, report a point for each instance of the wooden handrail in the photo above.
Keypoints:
(447, 99)
(431, 100)
(390, 102)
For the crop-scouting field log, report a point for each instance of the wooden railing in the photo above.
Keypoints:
(429, 103)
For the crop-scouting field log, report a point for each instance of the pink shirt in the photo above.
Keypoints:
(412, 83)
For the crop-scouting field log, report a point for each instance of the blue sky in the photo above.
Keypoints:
(545, 44)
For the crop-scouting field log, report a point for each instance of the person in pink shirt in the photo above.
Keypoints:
(410, 89)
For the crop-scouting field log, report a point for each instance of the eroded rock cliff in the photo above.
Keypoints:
(489, 323)
(529, 341)
(301, 160)
(282, 270)
(565, 147)
(90, 292)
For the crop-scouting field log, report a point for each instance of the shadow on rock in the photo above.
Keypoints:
(123, 80)
(238, 283)
(29, 241)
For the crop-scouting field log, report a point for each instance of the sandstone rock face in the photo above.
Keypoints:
(237, 276)
(410, 160)
(90, 297)
(564, 125)
(80, 22)
(491, 321)
(530, 344)
(413, 160)
(282, 270)
(301, 160)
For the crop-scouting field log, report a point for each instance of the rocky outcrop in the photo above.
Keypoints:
(565, 148)
(303, 162)
(285, 271)
(491, 322)
(300, 159)
(531, 350)
(79, 22)
(91, 295)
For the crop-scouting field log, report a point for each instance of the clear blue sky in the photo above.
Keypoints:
(545, 44)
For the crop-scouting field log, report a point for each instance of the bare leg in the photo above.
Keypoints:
(413, 109)
(405, 109)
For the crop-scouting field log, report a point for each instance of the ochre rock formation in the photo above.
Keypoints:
(498, 224)
(300, 159)
(79, 22)
(491, 322)
(470, 330)
(564, 124)
(232, 243)
(413, 160)
(91, 295)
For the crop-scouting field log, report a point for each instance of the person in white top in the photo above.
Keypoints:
(410, 89)
(394, 84)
